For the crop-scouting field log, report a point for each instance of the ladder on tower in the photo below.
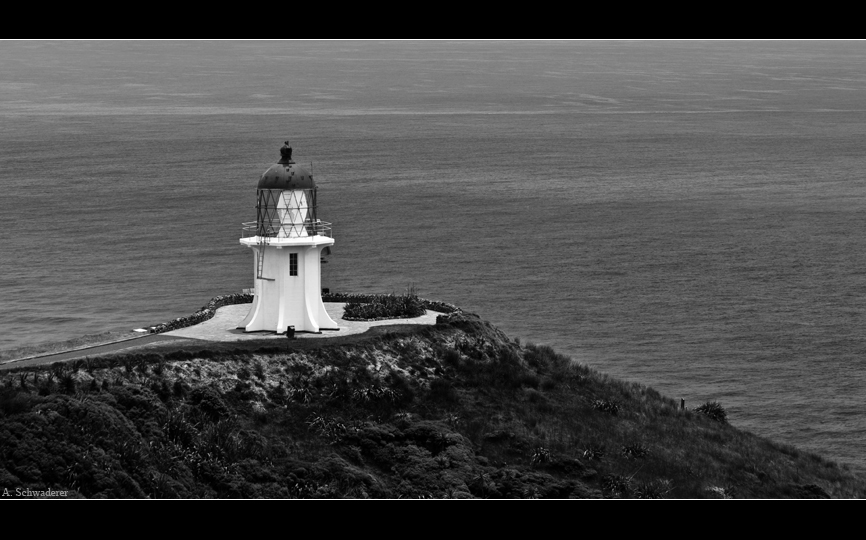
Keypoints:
(260, 264)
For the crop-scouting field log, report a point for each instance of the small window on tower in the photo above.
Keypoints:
(293, 264)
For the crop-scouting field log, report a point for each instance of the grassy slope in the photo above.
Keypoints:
(456, 410)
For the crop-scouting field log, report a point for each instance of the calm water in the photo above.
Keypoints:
(686, 215)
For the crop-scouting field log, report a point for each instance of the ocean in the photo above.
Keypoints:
(687, 215)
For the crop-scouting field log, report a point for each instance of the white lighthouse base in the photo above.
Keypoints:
(282, 299)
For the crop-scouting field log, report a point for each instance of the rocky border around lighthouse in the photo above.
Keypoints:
(203, 314)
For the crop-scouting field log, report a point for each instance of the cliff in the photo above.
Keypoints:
(455, 410)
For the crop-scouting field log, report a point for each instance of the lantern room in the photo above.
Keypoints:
(286, 200)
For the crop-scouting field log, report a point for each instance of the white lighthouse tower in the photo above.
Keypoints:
(287, 240)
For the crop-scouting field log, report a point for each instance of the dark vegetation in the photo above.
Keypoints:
(456, 410)
(714, 411)
(435, 305)
(386, 306)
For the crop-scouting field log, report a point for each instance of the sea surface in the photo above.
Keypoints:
(687, 215)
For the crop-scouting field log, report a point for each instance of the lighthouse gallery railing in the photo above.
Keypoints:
(289, 230)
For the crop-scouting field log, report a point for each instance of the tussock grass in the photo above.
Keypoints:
(714, 411)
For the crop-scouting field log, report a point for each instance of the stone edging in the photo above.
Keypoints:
(203, 314)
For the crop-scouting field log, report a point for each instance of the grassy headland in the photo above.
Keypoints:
(455, 410)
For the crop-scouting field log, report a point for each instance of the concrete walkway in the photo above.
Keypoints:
(95, 350)
(223, 325)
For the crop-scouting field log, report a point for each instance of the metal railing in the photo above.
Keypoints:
(276, 229)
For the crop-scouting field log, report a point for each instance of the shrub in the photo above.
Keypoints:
(653, 490)
(616, 484)
(332, 429)
(530, 379)
(162, 389)
(451, 357)
(67, 383)
(402, 388)
(507, 371)
(370, 394)
(178, 428)
(534, 396)
(634, 451)
(539, 456)
(301, 394)
(46, 387)
(443, 391)
(210, 403)
(594, 452)
(259, 370)
(606, 406)
(14, 402)
(453, 419)
(714, 410)
(388, 306)
(544, 358)
(723, 492)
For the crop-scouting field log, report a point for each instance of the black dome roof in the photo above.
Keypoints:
(286, 174)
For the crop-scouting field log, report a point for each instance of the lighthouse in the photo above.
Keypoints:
(287, 240)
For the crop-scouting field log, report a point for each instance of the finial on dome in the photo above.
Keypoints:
(286, 151)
